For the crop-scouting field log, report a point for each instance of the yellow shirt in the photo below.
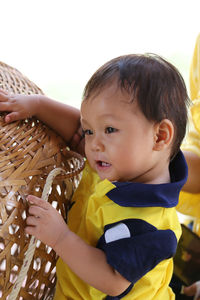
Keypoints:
(149, 231)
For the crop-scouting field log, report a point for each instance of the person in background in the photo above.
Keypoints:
(123, 227)
(189, 200)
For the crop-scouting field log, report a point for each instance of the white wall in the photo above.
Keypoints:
(59, 43)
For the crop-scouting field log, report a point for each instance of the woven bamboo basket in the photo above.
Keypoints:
(29, 150)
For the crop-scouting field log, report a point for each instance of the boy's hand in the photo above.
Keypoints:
(77, 142)
(19, 106)
(45, 222)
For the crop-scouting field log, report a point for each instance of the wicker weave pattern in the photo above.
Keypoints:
(13, 81)
(29, 150)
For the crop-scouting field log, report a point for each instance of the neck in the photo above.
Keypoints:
(158, 173)
(164, 177)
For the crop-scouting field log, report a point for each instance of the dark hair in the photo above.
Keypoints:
(156, 84)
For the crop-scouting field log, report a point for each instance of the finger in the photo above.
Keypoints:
(37, 201)
(81, 147)
(31, 230)
(5, 106)
(75, 140)
(31, 221)
(3, 97)
(3, 92)
(11, 117)
(36, 211)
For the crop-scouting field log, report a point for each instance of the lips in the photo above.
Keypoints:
(102, 164)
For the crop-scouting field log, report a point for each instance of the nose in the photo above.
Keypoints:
(97, 143)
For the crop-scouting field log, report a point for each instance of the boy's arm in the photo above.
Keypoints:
(88, 262)
(62, 118)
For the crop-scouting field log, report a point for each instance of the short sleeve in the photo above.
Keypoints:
(133, 247)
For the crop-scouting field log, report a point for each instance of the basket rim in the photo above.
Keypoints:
(75, 172)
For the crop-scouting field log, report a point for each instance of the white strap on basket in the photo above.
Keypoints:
(32, 245)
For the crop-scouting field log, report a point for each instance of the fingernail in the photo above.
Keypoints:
(7, 119)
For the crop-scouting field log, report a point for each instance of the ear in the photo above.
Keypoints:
(164, 133)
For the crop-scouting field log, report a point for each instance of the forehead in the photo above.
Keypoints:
(109, 95)
(111, 105)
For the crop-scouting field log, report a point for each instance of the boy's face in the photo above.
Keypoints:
(119, 139)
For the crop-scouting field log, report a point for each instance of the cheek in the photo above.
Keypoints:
(126, 154)
(88, 154)
(120, 155)
(86, 150)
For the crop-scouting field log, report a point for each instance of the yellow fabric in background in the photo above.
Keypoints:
(189, 204)
(195, 72)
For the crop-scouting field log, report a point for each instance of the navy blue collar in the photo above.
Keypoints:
(132, 194)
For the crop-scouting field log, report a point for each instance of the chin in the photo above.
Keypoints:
(110, 178)
(102, 177)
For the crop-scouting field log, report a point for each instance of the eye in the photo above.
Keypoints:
(87, 132)
(110, 130)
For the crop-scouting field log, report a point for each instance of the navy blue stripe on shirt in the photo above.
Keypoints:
(138, 253)
(131, 194)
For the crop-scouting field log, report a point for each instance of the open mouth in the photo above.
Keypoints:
(102, 164)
